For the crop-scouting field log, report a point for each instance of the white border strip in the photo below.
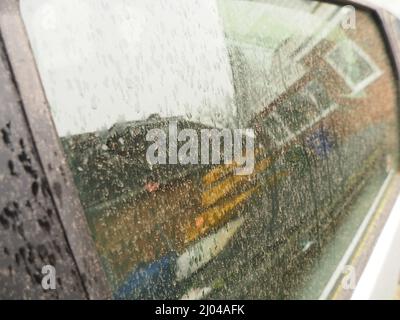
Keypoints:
(380, 277)
(361, 229)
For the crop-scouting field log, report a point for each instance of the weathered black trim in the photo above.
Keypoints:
(57, 172)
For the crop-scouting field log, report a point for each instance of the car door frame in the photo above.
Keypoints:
(51, 155)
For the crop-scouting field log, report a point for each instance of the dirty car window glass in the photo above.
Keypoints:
(320, 99)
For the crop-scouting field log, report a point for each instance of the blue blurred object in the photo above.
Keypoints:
(154, 281)
(320, 143)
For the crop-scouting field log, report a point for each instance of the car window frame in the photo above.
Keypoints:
(48, 144)
(46, 141)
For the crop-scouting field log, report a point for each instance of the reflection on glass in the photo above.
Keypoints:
(320, 99)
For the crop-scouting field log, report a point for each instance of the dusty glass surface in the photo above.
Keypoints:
(397, 25)
(320, 98)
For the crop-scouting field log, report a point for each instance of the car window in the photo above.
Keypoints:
(311, 100)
